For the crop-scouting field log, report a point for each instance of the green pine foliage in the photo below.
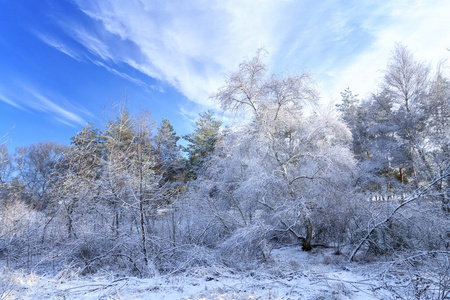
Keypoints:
(202, 141)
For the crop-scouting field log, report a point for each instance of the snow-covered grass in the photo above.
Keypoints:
(289, 273)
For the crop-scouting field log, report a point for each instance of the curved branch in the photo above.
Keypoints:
(416, 195)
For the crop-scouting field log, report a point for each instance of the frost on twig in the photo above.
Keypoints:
(425, 275)
(416, 195)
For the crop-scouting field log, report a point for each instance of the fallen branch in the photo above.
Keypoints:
(418, 193)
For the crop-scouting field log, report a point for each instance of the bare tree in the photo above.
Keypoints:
(287, 162)
(407, 81)
(78, 190)
(144, 165)
(406, 78)
(37, 167)
(5, 164)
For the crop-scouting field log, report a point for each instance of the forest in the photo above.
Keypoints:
(366, 178)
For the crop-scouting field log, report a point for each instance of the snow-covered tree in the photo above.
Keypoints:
(87, 151)
(399, 132)
(5, 164)
(169, 160)
(38, 169)
(437, 133)
(406, 81)
(78, 187)
(285, 169)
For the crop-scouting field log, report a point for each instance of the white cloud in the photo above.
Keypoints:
(93, 44)
(6, 99)
(60, 114)
(193, 45)
(189, 45)
(58, 45)
(27, 98)
(419, 25)
(123, 75)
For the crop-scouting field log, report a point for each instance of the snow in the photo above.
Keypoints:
(289, 273)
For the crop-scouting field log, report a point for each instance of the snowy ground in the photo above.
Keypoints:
(290, 274)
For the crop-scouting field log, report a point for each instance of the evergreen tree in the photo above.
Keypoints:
(119, 135)
(167, 151)
(355, 115)
(87, 152)
(437, 131)
(202, 141)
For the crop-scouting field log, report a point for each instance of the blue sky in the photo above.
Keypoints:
(63, 61)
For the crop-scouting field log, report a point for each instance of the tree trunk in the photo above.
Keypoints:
(70, 231)
(144, 246)
(141, 208)
(69, 228)
(446, 195)
(307, 241)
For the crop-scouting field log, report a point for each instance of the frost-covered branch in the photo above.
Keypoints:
(418, 193)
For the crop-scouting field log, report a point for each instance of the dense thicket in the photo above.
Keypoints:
(370, 177)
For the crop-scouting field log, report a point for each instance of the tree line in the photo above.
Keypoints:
(128, 197)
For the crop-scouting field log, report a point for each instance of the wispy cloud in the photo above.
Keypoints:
(192, 46)
(97, 52)
(93, 44)
(59, 45)
(417, 24)
(27, 98)
(124, 75)
(8, 100)
(59, 113)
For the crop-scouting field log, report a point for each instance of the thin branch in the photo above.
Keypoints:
(421, 191)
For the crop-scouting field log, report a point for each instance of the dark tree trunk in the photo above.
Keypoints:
(307, 241)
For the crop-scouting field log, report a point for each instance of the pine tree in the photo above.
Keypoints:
(167, 152)
(202, 141)
(87, 149)
(119, 135)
